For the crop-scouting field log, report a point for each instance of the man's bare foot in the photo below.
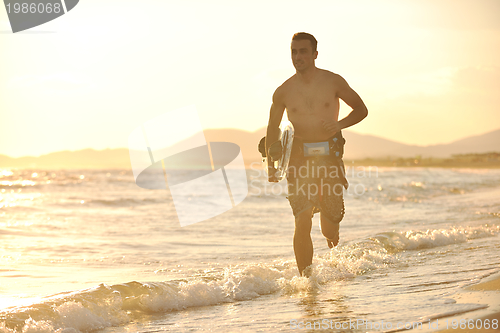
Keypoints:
(332, 242)
(331, 232)
(307, 272)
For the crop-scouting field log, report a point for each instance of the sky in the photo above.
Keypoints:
(428, 70)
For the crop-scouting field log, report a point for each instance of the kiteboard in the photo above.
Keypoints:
(279, 151)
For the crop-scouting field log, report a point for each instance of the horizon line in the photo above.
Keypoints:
(252, 132)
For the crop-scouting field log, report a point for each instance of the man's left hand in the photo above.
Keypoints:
(332, 126)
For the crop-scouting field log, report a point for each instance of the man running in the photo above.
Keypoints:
(316, 171)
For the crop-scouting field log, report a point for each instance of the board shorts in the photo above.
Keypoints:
(317, 182)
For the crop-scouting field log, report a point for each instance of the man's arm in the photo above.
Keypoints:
(275, 115)
(351, 98)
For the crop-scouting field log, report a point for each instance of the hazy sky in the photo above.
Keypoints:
(429, 71)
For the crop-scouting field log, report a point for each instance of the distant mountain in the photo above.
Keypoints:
(363, 146)
(86, 158)
(358, 146)
(489, 142)
(248, 141)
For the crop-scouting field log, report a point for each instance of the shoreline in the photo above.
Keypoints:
(487, 293)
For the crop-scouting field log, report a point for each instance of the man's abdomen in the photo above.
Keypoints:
(310, 126)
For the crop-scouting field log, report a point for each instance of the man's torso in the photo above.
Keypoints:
(308, 104)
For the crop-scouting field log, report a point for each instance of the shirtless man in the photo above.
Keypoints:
(311, 99)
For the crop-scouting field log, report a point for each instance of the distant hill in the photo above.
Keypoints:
(363, 146)
(86, 158)
(358, 146)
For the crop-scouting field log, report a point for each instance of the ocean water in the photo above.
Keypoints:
(89, 251)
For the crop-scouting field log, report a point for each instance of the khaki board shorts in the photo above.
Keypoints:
(317, 182)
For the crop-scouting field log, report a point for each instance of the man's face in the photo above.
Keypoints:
(302, 54)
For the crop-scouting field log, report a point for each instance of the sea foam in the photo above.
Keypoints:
(106, 306)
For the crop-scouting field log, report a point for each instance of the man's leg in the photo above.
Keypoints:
(330, 230)
(302, 242)
(332, 212)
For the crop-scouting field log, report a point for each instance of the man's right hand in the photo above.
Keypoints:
(271, 172)
(332, 126)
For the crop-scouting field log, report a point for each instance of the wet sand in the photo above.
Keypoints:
(486, 292)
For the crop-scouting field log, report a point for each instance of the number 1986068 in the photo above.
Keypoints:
(33, 8)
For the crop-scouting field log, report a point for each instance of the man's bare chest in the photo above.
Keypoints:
(313, 100)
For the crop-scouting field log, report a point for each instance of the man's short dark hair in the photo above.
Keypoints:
(309, 37)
